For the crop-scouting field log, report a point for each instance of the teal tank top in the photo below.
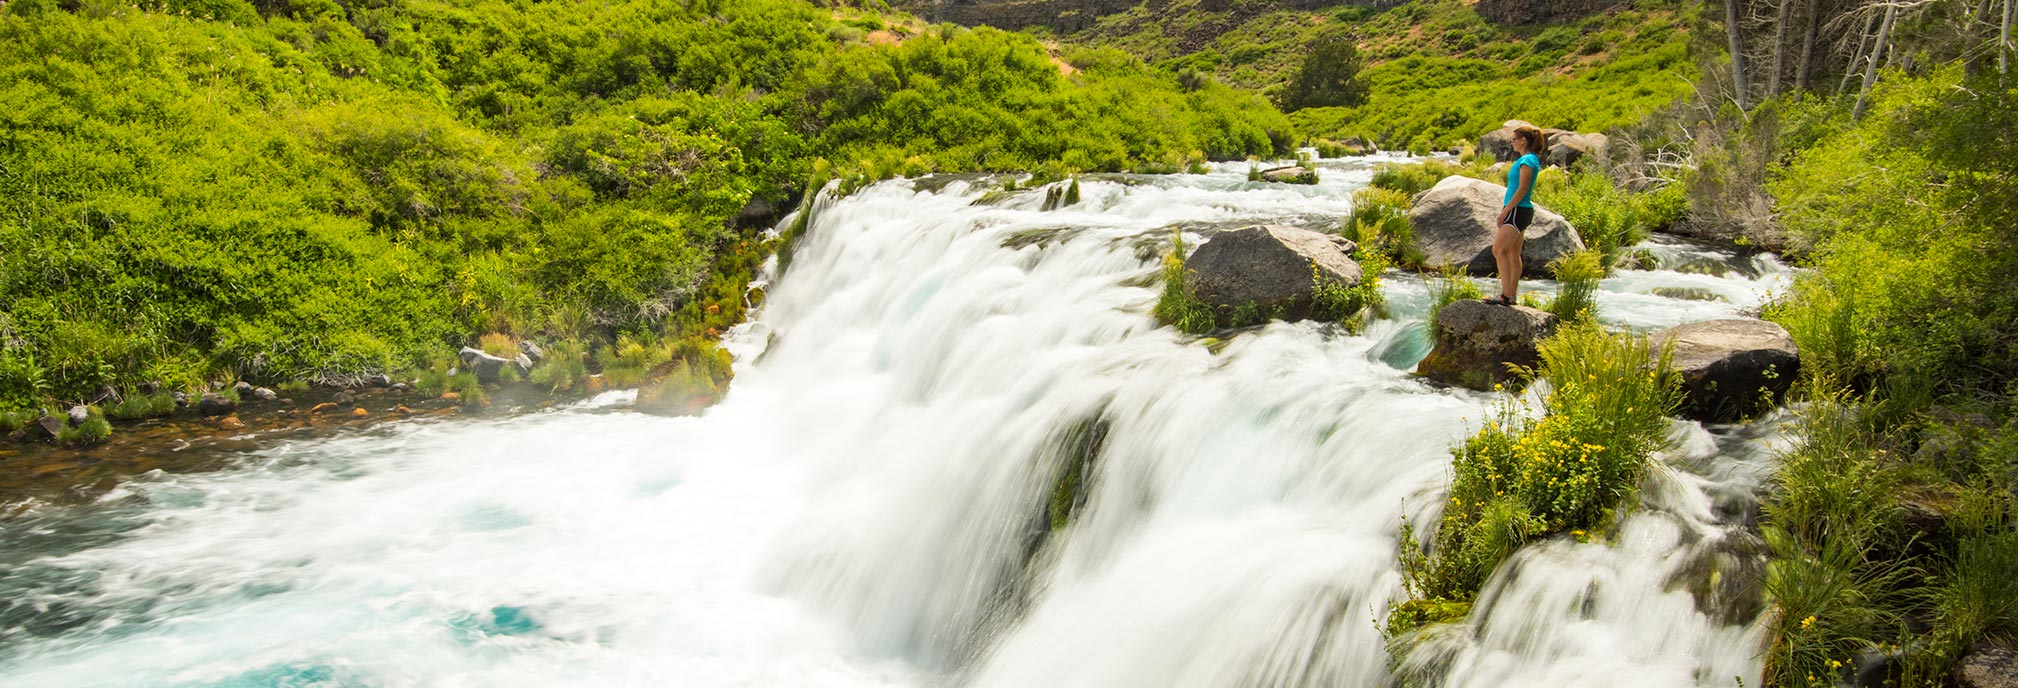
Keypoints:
(1513, 179)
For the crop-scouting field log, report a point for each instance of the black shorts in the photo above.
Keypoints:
(1522, 217)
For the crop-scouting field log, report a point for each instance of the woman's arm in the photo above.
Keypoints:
(1527, 186)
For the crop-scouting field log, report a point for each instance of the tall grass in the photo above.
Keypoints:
(1177, 306)
(1448, 288)
(1347, 304)
(1608, 218)
(1523, 476)
(1576, 300)
(563, 367)
(93, 431)
(135, 406)
(1379, 222)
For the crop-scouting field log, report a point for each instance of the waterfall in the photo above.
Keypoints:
(958, 452)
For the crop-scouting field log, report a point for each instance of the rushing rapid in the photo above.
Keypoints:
(958, 452)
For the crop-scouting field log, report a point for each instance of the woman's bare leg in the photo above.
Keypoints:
(1506, 252)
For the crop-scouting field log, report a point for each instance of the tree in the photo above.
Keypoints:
(1329, 76)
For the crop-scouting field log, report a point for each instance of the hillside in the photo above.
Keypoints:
(1438, 72)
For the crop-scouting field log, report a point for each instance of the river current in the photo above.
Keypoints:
(877, 502)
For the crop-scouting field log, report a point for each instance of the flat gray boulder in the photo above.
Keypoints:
(1498, 143)
(1454, 223)
(1477, 341)
(488, 368)
(1731, 369)
(1290, 174)
(1270, 269)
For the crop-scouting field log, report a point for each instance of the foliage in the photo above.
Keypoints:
(1345, 304)
(135, 406)
(1522, 478)
(1448, 288)
(318, 192)
(563, 368)
(1176, 305)
(94, 430)
(498, 344)
(1609, 219)
(1576, 301)
(1328, 77)
(1379, 222)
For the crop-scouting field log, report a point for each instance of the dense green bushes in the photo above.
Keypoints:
(197, 192)
(1525, 477)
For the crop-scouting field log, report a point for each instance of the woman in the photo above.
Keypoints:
(1515, 214)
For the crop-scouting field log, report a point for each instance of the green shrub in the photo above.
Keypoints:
(93, 431)
(1524, 478)
(135, 406)
(627, 362)
(564, 366)
(1576, 300)
(1380, 223)
(1332, 301)
(1448, 288)
(13, 420)
(1176, 305)
(1609, 219)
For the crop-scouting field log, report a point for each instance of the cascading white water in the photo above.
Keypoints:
(878, 502)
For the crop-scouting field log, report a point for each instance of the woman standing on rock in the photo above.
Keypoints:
(1515, 214)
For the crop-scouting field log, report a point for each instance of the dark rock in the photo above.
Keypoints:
(1565, 150)
(181, 398)
(378, 380)
(1498, 143)
(343, 398)
(150, 386)
(44, 428)
(532, 351)
(1987, 666)
(1476, 341)
(109, 395)
(524, 363)
(1731, 369)
(1290, 174)
(1455, 220)
(1272, 269)
(400, 388)
(243, 388)
(486, 366)
(264, 394)
(214, 404)
(78, 414)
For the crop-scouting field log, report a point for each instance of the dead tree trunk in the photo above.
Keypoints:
(1808, 36)
(1871, 70)
(1779, 49)
(2004, 39)
(1857, 56)
(1738, 76)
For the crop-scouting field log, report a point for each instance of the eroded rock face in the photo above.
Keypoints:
(1454, 223)
(1272, 269)
(1987, 666)
(1731, 369)
(1477, 341)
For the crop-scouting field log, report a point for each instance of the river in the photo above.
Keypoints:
(876, 502)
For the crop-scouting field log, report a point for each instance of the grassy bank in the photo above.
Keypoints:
(203, 192)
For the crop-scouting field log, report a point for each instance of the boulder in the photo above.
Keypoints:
(1565, 150)
(532, 351)
(78, 414)
(1476, 341)
(1273, 268)
(1290, 174)
(181, 398)
(486, 366)
(243, 388)
(1454, 225)
(214, 404)
(264, 394)
(1731, 369)
(45, 427)
(524, 363)
(378, 380)
(1498, 143)
(400, 388)
(343, 397)
(1987, 666)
